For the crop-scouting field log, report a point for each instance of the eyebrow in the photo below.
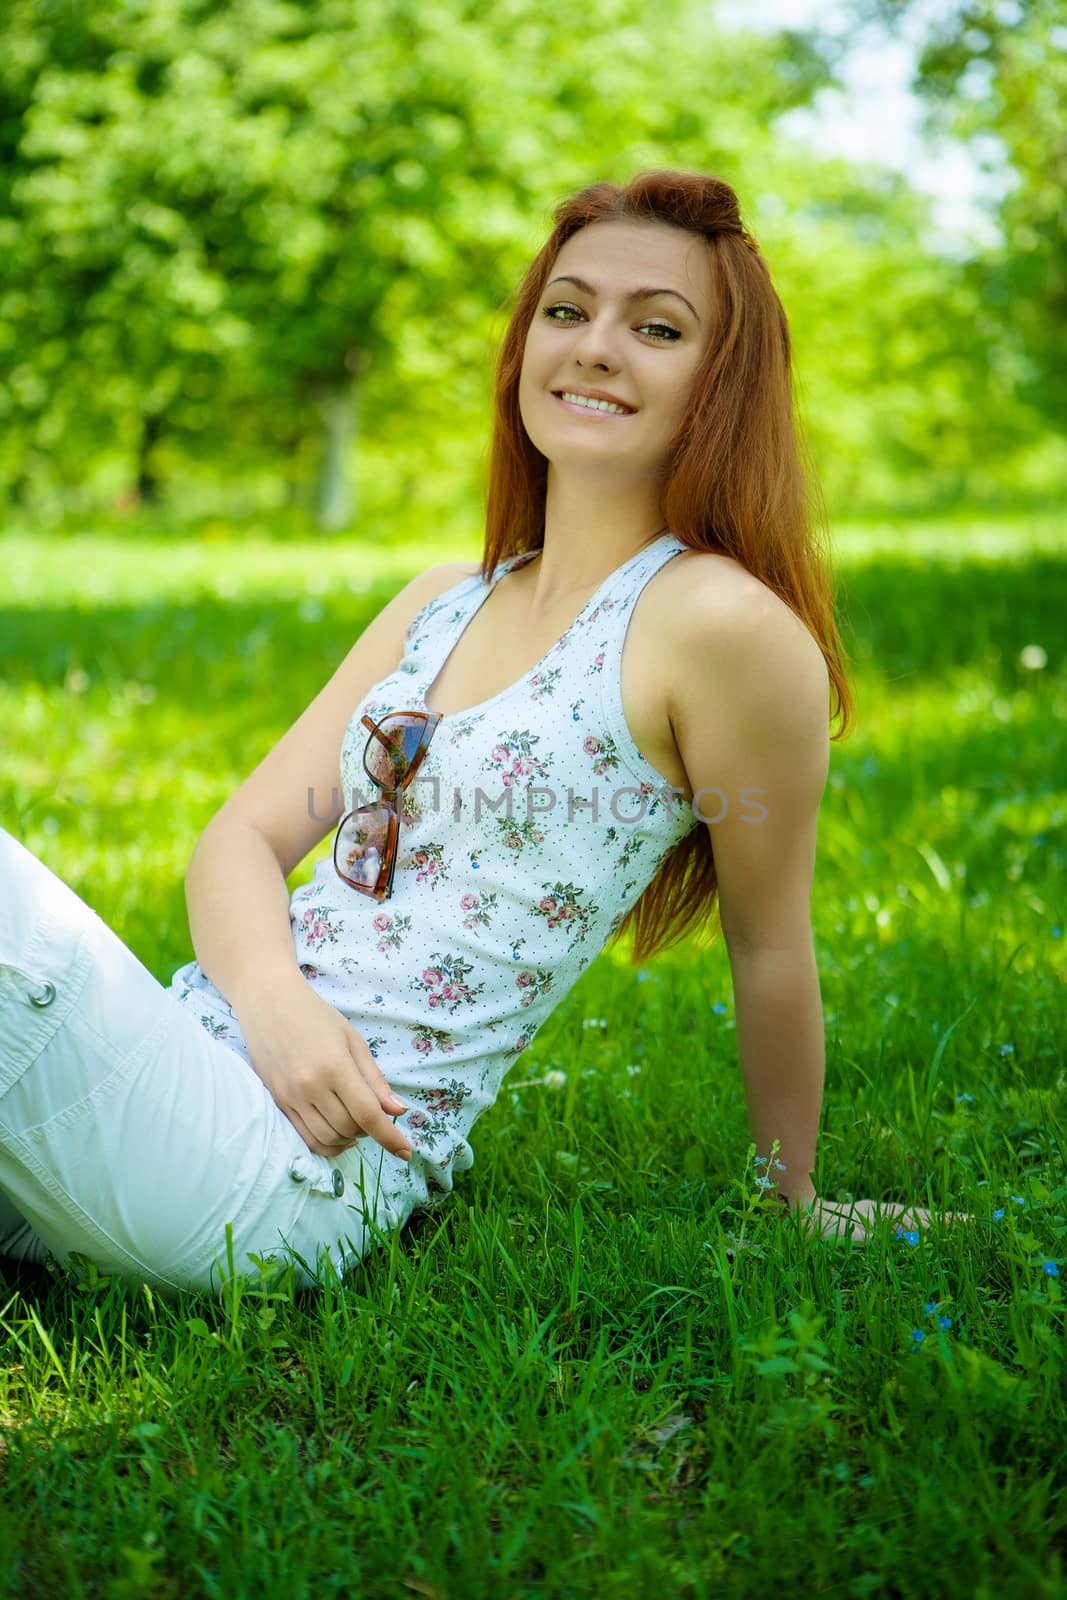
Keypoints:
(636, 294)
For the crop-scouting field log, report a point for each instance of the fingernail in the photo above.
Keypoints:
(405, 1155)
(401, 1104)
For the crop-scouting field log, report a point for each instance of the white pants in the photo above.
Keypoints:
(129, 1136)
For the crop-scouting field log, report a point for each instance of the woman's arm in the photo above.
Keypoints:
(750, 714)
(780, 1045)
(237, 902)
(235, 885)
(751, 719)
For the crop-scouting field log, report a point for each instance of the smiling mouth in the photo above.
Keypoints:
(590, 411)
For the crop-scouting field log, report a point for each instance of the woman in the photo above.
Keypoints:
(521, 789)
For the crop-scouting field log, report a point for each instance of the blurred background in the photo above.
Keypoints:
(255, 258)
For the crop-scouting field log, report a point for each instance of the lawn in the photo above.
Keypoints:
(573, 1381)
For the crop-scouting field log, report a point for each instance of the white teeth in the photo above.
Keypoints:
(595, 405)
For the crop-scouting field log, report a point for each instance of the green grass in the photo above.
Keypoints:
(571, 1381)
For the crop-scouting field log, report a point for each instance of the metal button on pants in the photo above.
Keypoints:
(129, 1135)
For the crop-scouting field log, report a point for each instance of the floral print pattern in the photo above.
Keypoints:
(479, 909)
(463, 729)
(543, 684)
(320, 926)
(433, 1118)
(513, 758)
(443, 984)
(516, 1049)
(390, 929)
(494, 916)
(533, 984)
(563, 905)
(427, 1039)
(517, 835)
(630, 849)
(602, 752)
(429, 864)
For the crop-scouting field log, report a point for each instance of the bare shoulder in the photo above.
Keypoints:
(710, 587)
(387, 632)
(274, 798)
(750, 716)
(462, 569)
(446, 573)
(429, 584)
(725, 620)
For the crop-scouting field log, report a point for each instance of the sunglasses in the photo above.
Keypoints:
(364, 850)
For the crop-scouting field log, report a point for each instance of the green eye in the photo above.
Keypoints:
(663, 327)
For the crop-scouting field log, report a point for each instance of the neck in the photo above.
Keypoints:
(583, 544)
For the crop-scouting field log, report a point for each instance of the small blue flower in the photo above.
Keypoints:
(719, 1007)
(961, 1097)
(1019, 1201)
(1057, 933)
(944, 1322)
(1051, 1268)
(1007, 1049)
(912, 1237)
(931, 1305)
(918, 1335)
(998, 1213)
(642, 977)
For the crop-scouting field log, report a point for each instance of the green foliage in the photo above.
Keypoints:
(224, 214)
(229, 232)
(994, 74)
(603, 1369)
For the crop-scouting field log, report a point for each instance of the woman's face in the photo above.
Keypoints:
(644, 352)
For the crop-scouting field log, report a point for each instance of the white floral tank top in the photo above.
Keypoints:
(531, 827)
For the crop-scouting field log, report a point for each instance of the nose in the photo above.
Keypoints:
(596, 345)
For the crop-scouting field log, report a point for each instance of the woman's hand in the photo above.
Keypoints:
(835, 1219)
(320, 1071)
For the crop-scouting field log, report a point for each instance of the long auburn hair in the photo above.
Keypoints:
(735, 480)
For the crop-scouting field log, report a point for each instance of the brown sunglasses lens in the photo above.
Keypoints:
(361, 848)
(392, 748)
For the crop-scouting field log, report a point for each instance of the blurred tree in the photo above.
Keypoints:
(226, 231)
(996, 70)
(209, 208)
